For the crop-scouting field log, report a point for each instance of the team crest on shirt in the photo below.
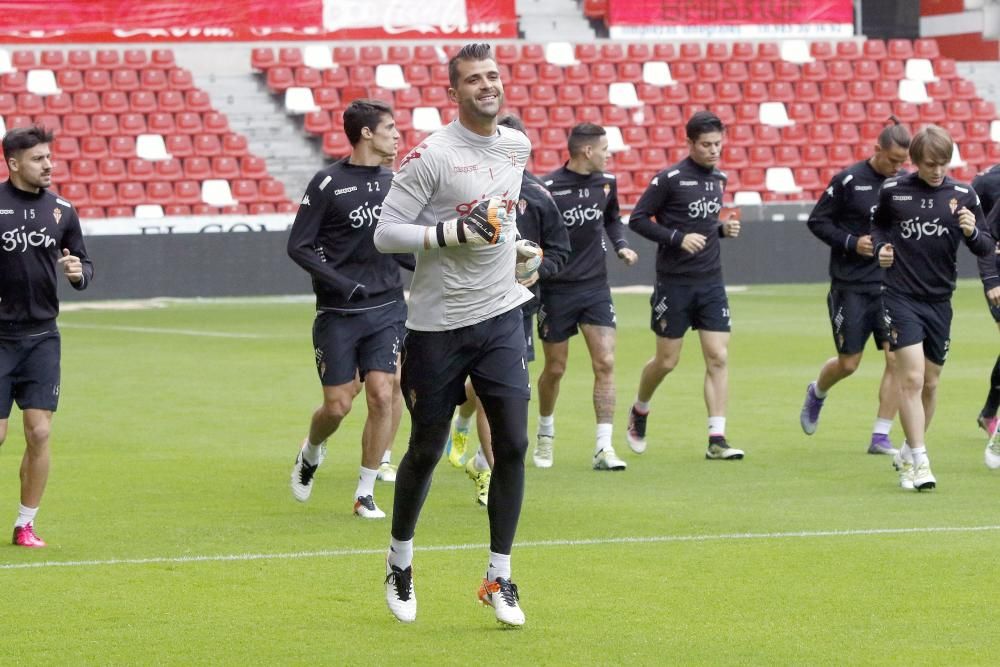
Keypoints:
(57, 214)
(522, 205)
(953, 204)
(607, 189)
(513, 158)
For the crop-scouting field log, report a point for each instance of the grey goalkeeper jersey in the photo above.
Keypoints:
(440, 179)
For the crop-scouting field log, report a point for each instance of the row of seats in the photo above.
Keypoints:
(263, 58)
(95, 147)
(149, 211)
(187, 192)
(127, 124)
(47, 82)
(196, 168)
(110, 101)
(86, 59)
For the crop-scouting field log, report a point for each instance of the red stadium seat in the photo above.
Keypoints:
(103, 194)
(977, 130)
(901, 49)
(207, 145)
(639, 53)
(735, 157)
(335, 144)
(588, 113)
(740, 135)
(197, 100)
(104, 124)
(885, 90)
(345, 56)
(532, 53)
(272, 190)
(132, 124)
(848, 50)
(866, 70)
(79, 59)
(632, 72)
(613, 52)
(245, 190)
(794, 135)
(30, 104)
(742, 52)
(170, 170)
(926, 48)
(874, 49)
(141, 170)
(120, 211)
(84, 171)
(162, 59)
(142, 101)
(253, 167)
(786, 71)
(963, 89)
(107, 59)
(52, 59)
(187, 192)
(69, 80)
(932, 112)
(562, 117)
(197, 168)
(125, 79)
(728, 92)
(121, 147)
(839, 70)
(820, 133)
(76, 193)
(814, 156)
(307, 77)
(188, 122)
(65, 148)
(111, 169)
(317, 122)
(180, 79)
(734, 71)
(279, 79)
(603, 73)
(176, 210)
(225, 167)
(262, 58)
(892, 69)
(290, 56)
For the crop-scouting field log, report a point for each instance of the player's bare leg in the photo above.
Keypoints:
(715, 350)
(337, 400)
(556, 358)
(377, 438)
(34, 473)
(601, 345)
(917, 379)
(664, 361)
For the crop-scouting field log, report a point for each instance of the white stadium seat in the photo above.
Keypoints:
(216, 192)
(42, 82)
(390, 77)
(299, 100)
(781, 180)
(151, 147)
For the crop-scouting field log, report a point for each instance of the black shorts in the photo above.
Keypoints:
(436, 364)
(911, 322)
(529, 337)
(560, 313)
(677, 308)
(29, 373)
(854, 316)
(346, 344)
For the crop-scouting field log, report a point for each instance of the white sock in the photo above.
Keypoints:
(463, 423)
(479, 462)
(400, 553)
(366, 482)
(604, 432)
(310, 453)
(25, 515)
(716, 425)
(905, 452)
(819, 392)
(642, 407)
(387, 457)
(882, 426)
(546, 425)
(499, 566)
(919, 456)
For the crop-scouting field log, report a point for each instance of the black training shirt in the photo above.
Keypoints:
(921, 223)
(588, 204)
(684, 198)
(331, 238)
(34, 230)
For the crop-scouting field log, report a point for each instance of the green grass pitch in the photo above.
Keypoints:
(173, 537)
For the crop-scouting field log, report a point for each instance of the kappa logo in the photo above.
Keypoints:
(862, 188)
(6, 211)
(344, 191)
(305, 200)
(687, 184)
(412, 155)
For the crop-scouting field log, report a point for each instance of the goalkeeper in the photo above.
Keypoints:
(538, 221)
(451, 203)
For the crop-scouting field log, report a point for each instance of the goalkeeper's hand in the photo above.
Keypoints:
(483, 225)
(529, 258)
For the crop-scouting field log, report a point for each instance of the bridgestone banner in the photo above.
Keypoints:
(738, 19)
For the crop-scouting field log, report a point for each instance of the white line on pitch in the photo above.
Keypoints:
(520, 545)
(157, 330)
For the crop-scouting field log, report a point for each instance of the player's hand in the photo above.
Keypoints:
(967, 221)
(731, 227)
(483, 225)
(886, 256)
(993, 296)
(529, 258)
(628, 256)
(865, 246)
(693, 243)
(72, 267)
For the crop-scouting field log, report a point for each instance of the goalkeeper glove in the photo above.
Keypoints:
(483, 225)
(529, 258)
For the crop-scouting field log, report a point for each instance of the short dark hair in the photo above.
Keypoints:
(584, 134)
(933, 143)
(894, 134)
(363, 113)
(19, 139)
(512, 121)
(703, 122)
(474, 51)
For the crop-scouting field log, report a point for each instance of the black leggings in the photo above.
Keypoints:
(508, 417)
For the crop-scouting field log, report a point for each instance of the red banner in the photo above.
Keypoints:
(251, 20)
(738, 18)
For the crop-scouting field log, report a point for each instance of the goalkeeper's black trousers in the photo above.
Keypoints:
(508, 417)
